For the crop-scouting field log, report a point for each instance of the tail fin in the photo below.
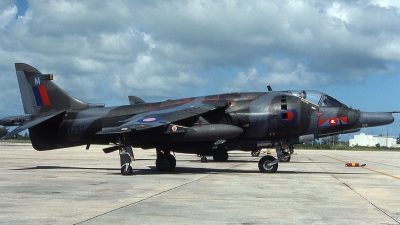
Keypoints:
(40, 94)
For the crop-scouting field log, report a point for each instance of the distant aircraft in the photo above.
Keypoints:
(207, 125)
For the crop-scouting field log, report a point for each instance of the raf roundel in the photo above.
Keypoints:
(289, 116)
(150, 119)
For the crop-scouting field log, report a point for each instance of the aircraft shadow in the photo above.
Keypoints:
(181, 170)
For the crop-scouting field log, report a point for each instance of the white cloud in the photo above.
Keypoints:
(168, 49)
(7, 15)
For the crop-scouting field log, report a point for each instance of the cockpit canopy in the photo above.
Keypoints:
(318, 98)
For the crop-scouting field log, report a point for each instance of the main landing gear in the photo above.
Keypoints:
(269, 164)
(165, 161)
(221, 157)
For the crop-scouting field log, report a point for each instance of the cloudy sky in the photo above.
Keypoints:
(103, 51)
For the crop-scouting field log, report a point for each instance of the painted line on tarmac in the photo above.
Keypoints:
(375, 171)
(362, 196)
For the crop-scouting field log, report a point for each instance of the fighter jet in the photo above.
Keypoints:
(207, 125)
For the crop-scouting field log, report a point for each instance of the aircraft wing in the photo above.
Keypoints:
(32, 123)
(164, 116)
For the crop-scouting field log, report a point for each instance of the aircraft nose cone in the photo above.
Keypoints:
(372, 119)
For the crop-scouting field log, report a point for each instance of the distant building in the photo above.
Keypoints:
(372, 140)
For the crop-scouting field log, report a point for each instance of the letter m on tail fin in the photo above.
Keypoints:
(40, 94)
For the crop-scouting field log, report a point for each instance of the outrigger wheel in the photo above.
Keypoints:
(126, 169)
(125, 154)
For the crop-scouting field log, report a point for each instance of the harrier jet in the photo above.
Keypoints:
(207, 125)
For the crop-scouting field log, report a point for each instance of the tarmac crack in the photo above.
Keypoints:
(159, 193)
(147, 198)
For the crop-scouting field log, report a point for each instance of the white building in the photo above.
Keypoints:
(371, 140)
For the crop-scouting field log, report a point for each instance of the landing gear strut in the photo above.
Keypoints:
(256, 153)
(288, 153)
(268, 163)
(125, 154)
(165, 162)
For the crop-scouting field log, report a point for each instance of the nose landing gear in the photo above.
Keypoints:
(288, 153)
(269, 164)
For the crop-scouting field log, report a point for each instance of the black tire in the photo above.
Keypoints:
(221, 157)
(262, 164)
(173, 162)
(255, 153)
(203, 159)
(126, 172)
(166, 163)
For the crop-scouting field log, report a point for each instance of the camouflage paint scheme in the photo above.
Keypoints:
(206, 125)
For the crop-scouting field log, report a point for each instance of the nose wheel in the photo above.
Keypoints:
(126, 169)
(266, 164)
(269, 164)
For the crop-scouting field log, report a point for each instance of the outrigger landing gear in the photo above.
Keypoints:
(165, 162)
(125, 154)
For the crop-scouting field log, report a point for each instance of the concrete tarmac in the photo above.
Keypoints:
(77, 186)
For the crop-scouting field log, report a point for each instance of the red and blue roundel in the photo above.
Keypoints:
(289, 116)
(150, 119)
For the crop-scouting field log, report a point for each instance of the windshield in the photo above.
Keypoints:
(318, 98)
